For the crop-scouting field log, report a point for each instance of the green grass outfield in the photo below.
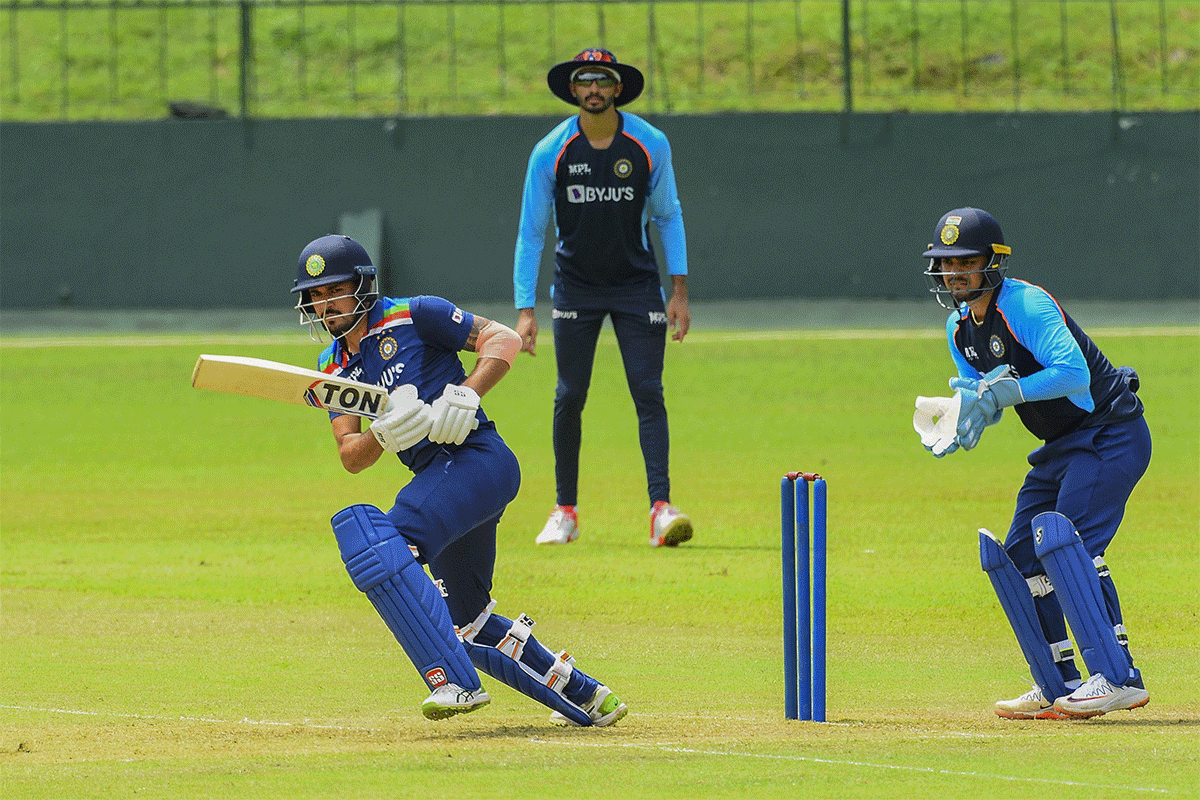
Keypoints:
(176, 621)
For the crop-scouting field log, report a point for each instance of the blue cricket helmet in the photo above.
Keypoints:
(332, 259)
(967, 232)
(961, 233)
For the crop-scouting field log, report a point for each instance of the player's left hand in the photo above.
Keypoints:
(983, 402)
(454, 415)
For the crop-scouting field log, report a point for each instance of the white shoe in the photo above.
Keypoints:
(450, 699)
(562, 527)
(668, 525)
(1031, 705)
(605, 708)
(1097, 696)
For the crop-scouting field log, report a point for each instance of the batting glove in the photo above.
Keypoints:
(404, 421)
(454, 415)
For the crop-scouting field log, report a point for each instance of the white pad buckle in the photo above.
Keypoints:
(560, 672)
(1063, 651)
(469, 633)
(1040, 585)
(513, 643)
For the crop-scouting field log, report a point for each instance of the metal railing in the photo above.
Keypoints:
(135, 59)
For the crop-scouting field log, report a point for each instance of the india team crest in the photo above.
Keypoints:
(949, 234)
(996, 345)
(388, 347)
(315, 265)
(623, 168)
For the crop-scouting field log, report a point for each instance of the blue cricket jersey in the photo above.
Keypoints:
(602, 203)
(1067, 382)
(408, 340)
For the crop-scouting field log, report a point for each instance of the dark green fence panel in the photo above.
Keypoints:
(212, 214)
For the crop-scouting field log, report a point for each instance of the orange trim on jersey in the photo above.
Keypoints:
(558, 158)
(634, 139)
(1004, 317)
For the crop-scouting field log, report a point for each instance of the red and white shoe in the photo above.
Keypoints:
(1031, 705)
(1097, 696)
(668, 525)
(561, 528)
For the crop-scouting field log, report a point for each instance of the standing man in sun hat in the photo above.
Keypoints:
(603, 176)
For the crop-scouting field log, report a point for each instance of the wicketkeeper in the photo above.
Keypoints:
(464, 476)
(1015, 347)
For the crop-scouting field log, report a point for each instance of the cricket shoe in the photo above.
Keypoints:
(668, 525)
(562, 527)
(1031, 705)
(605, 708)
(450, 699)
(1097, 696)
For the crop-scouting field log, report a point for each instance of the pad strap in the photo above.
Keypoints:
(1039, 585)
(1062, 651)
(469, 633)
(560, 672)
(513, 643)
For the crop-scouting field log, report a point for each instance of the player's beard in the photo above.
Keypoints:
(605, 104)
(338, 326)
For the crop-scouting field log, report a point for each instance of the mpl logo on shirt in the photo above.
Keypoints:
(598, 194)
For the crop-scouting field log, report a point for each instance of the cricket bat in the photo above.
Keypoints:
(271, 380)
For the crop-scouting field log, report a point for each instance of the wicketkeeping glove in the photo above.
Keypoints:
(936, 420)
(984, 401)
(404, 421)
(454, 415)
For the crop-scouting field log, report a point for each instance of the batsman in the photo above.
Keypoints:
(463, 477)
(1015, 347)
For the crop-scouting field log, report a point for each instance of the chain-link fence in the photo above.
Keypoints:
(133, 59)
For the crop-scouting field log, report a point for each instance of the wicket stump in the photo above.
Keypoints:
(803, 599)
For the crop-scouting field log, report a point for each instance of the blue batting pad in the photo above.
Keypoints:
(1073, 574)
(509, 672)
(1018, 606)
(382, 567)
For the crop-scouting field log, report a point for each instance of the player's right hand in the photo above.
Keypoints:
(527, 329)
(404, 421)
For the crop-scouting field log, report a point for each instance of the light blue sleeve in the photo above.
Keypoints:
(1040, 326)
(662, 205)
(537, 210)
(965, 370)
